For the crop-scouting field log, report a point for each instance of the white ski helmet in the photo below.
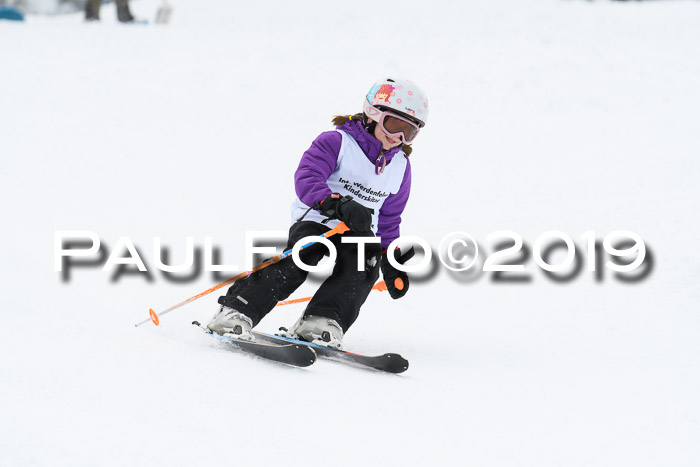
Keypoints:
(398, 95)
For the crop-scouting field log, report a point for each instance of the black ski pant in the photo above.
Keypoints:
(339, 297)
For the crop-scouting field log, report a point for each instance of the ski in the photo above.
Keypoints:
(291, 353)
(388, 362)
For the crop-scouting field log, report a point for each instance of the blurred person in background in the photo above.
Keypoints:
(92, 11)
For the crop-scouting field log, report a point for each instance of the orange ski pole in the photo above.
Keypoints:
(381, 286)
(154, 317)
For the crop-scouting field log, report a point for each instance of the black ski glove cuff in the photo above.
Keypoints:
(356, 216)
(396, 281)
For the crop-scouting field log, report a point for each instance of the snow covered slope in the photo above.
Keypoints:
(565, 115)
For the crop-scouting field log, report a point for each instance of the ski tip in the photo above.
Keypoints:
(395, 363)
(311, 358)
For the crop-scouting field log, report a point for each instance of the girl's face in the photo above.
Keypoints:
(387, 141)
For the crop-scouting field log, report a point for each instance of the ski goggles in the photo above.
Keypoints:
(393, 124)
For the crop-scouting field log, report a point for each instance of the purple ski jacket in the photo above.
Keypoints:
(320, 160)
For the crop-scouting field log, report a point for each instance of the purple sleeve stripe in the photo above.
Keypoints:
(316, 165)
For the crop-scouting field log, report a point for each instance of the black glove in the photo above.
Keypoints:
(396, 281)
(356, 216)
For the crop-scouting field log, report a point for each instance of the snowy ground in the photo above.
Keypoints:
(564, 115)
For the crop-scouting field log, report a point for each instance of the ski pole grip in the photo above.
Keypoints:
(341, 228)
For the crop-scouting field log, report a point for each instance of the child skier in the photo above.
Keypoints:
(358, 174)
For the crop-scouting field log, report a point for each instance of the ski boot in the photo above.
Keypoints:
(229, 322)
(317, 330)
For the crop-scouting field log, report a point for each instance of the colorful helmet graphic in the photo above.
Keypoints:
(397, 95)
